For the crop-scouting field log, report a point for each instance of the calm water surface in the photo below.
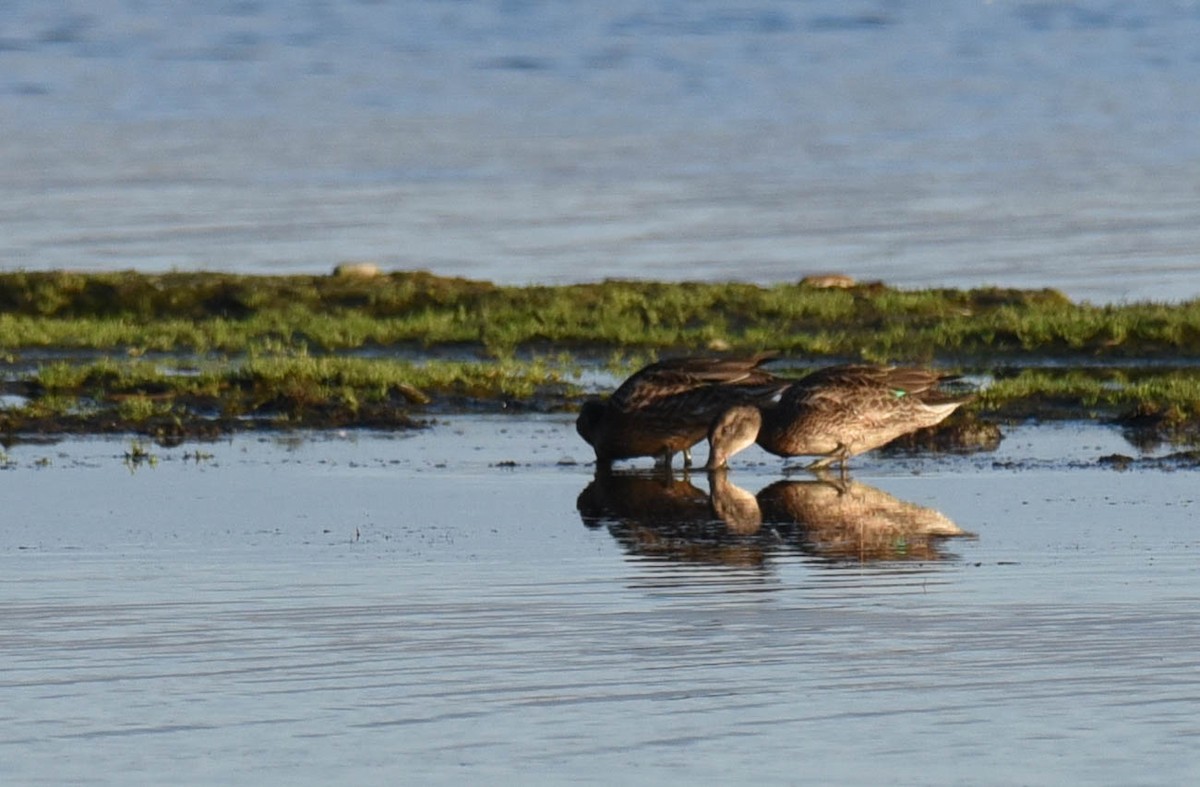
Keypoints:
(467, 604)
(965, 143)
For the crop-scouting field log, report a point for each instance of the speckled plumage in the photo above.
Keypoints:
(836, 413)
(667, 407)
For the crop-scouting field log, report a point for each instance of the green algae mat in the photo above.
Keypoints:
(182, 355)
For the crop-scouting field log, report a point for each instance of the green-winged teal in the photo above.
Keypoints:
(668, 406)
(835, 413)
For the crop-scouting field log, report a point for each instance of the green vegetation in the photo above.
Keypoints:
(138, 455)
(1169, 399)
(190, 354)
(198, 312)
(188, 399)
(174, 401)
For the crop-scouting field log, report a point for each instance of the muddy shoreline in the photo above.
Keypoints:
(168, 407)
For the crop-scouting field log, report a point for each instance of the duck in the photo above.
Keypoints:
(835, 413)
(667, 407)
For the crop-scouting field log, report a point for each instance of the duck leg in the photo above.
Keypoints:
(839, 455)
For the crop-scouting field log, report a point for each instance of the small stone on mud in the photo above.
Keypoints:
(1116, 461)
(361, 270)
(961, 435)
(829, 281)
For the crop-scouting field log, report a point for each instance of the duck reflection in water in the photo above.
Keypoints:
(667, 517)
(848, 520)
(670, 518)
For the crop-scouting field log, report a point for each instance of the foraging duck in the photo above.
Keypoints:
(667, 407)
(835, 413)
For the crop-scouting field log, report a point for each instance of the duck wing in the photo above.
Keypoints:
(847, 384)
(679, 376)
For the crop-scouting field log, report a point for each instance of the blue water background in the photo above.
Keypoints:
(951, 143)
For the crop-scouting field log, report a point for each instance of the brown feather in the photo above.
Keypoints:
(667, 406)
(839, 412)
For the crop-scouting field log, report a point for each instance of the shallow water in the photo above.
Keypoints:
(1011, 143)
(468, 603)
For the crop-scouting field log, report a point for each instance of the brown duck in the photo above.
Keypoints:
(835, 413)
(668, 406)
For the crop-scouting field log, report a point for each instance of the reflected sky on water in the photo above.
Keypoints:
(463, 602)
